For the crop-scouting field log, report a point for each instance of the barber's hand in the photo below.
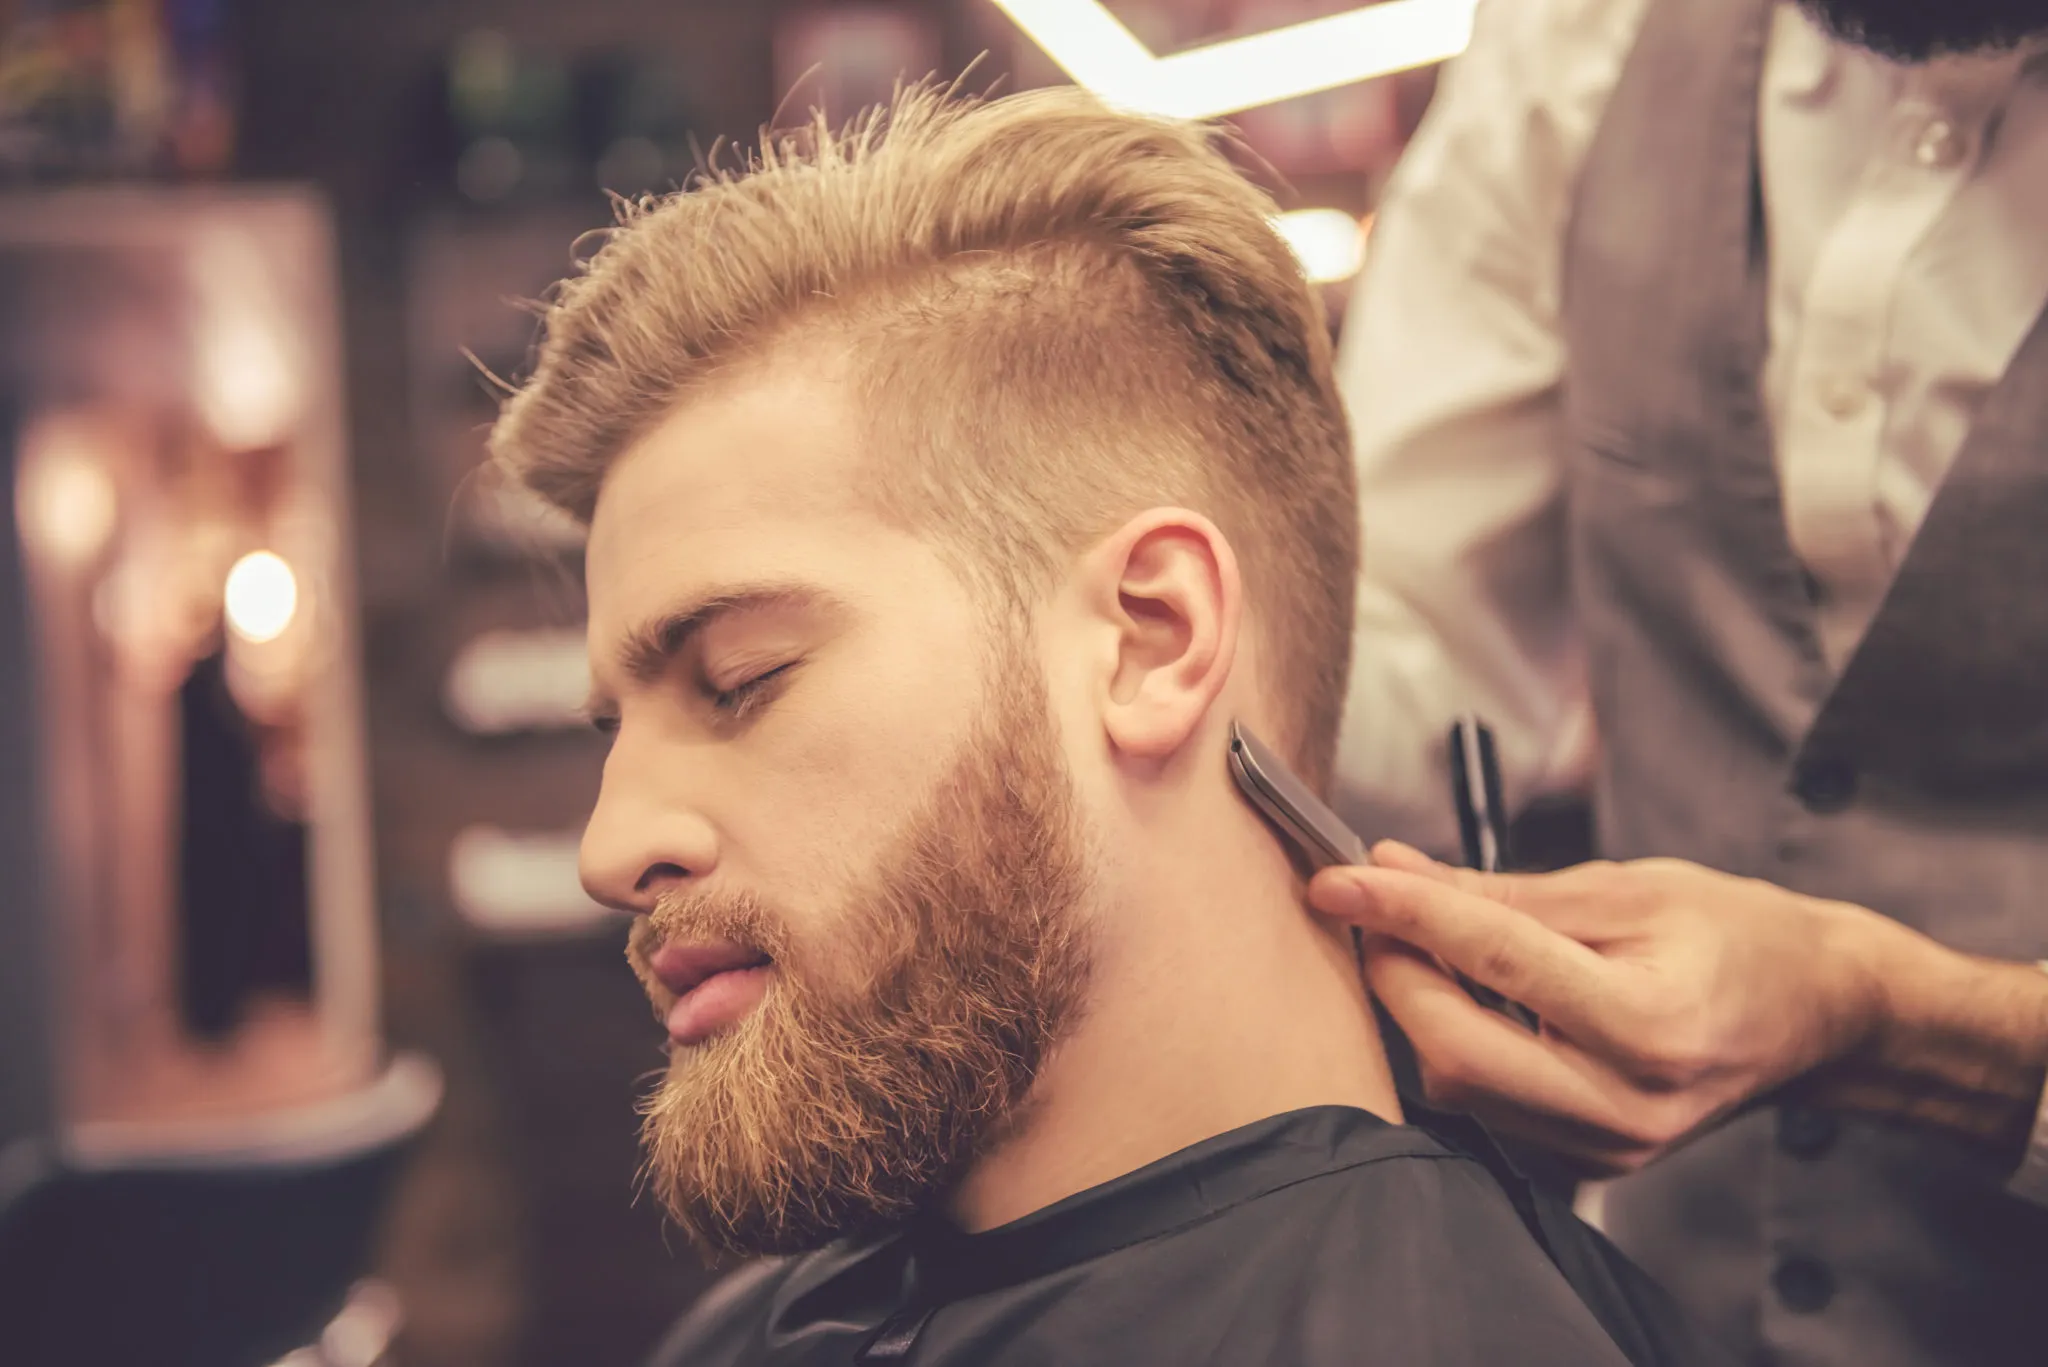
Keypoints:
(1669, 994)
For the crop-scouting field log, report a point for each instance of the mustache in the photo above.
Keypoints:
(692, 917)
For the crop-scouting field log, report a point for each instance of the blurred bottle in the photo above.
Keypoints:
(511, 118)
(635, 120)
(200, 137)
(93, 89)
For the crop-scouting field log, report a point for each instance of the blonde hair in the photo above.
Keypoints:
(1057, 314)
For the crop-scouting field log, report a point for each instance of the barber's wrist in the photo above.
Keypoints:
(1957, 1042)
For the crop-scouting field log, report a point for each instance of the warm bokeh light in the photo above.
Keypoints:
(1329, 243)
(511, 883)
(262, 595)
(1091, 45)
(506, 681)
(246, 350)
(65, 503)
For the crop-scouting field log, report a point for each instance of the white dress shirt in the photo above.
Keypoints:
(1907, 216)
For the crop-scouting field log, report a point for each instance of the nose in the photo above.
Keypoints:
(640, 843)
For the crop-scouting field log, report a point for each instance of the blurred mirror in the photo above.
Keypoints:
(169, 385)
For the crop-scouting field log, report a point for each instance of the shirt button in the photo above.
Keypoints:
(1843, 396)
(1805, 1132)
(1825, 783)
(1804, 1285)
(1939, 146)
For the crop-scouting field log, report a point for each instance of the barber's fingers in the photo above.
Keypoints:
(1561, 980)
(1472, 1054)
(1572, 900)
(1538, 1089)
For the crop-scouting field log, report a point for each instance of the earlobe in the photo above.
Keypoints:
(1173, 594)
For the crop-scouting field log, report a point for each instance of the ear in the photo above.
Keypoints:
(1167, 584)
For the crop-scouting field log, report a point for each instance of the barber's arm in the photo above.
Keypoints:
(1451, 366)
(1672, 995)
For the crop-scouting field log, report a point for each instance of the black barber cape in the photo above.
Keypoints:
(1312, 1239)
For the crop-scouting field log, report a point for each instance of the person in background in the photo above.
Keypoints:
(952, 486)
(1699, 377)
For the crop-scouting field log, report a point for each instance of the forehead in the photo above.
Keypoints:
(755, 478)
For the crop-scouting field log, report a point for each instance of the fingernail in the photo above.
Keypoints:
(1342, 892)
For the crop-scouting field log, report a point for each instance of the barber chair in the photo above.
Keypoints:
(214, 1244)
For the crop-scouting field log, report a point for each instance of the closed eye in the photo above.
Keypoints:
(743, 699)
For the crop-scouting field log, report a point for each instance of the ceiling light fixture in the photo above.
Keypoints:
(1093, 46)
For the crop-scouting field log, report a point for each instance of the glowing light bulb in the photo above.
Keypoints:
(262, 595)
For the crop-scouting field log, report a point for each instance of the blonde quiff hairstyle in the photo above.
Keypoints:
(1057, 315)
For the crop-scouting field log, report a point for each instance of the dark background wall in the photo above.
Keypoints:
(26, 1084)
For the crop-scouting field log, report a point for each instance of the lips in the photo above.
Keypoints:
(681, 967)
(716, 983)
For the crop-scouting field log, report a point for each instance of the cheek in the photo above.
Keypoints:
(843, 772)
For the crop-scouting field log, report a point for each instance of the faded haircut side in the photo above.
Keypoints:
(1058, 315)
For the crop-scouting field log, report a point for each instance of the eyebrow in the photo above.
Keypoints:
(648, 649)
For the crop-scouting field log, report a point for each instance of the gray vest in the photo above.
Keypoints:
(1915, 782)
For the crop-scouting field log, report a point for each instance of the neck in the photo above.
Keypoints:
(1240, 1006)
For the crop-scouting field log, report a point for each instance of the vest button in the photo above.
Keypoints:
(1825, 783)
(1804, 1285)
(1842, 397)
(1805, 1132)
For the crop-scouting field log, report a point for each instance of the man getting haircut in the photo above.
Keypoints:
(952, 484)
